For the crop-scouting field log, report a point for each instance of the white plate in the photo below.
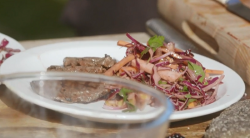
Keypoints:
(12, 42)
(39, 58)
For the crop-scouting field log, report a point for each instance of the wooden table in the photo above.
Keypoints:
(22, 119)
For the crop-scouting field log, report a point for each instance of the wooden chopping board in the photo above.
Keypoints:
(211, 26)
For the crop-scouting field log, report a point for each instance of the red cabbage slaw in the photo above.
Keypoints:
(8, 51)
(175, 72)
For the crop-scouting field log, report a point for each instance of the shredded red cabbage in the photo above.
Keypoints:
(9, 51)
(169, 72)
(4, 43)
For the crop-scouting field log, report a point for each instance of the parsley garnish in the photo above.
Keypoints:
(145, 51)
(131, 107)
(191, 100)
(183, 100)
(181, 79)
(188, 95)
(162, 82)
(198, 70)
(154, 43)
(184, 89)
(124, 93)
(143, 79)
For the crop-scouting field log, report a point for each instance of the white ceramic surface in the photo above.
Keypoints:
(39, 58)
(12, 42)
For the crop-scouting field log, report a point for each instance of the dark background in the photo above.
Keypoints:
(33, 19)
(44, 19)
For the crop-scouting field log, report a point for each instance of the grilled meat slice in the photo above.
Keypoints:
(88, 69)
(70, 91)
(81, 92)
(105, 62)
(75, 91)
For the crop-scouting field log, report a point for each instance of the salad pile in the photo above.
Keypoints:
(175, 72)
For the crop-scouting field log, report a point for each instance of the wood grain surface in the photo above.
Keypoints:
(19, 118)
(212, 26)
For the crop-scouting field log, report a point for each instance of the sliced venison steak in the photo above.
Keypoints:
(70, 91)
(87, 69)
(75, 91)
(105, 62)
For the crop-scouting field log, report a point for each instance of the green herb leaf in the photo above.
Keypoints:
(191, 100)
(181, 79)
(188, 96)
(124, 93)
(183, 100)
(145, 51)
(190, 66)
(156, 42)
(185, 88)
(131, 108)
(205, 83)
(143, 79)
(197, 69)
(162, 82)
